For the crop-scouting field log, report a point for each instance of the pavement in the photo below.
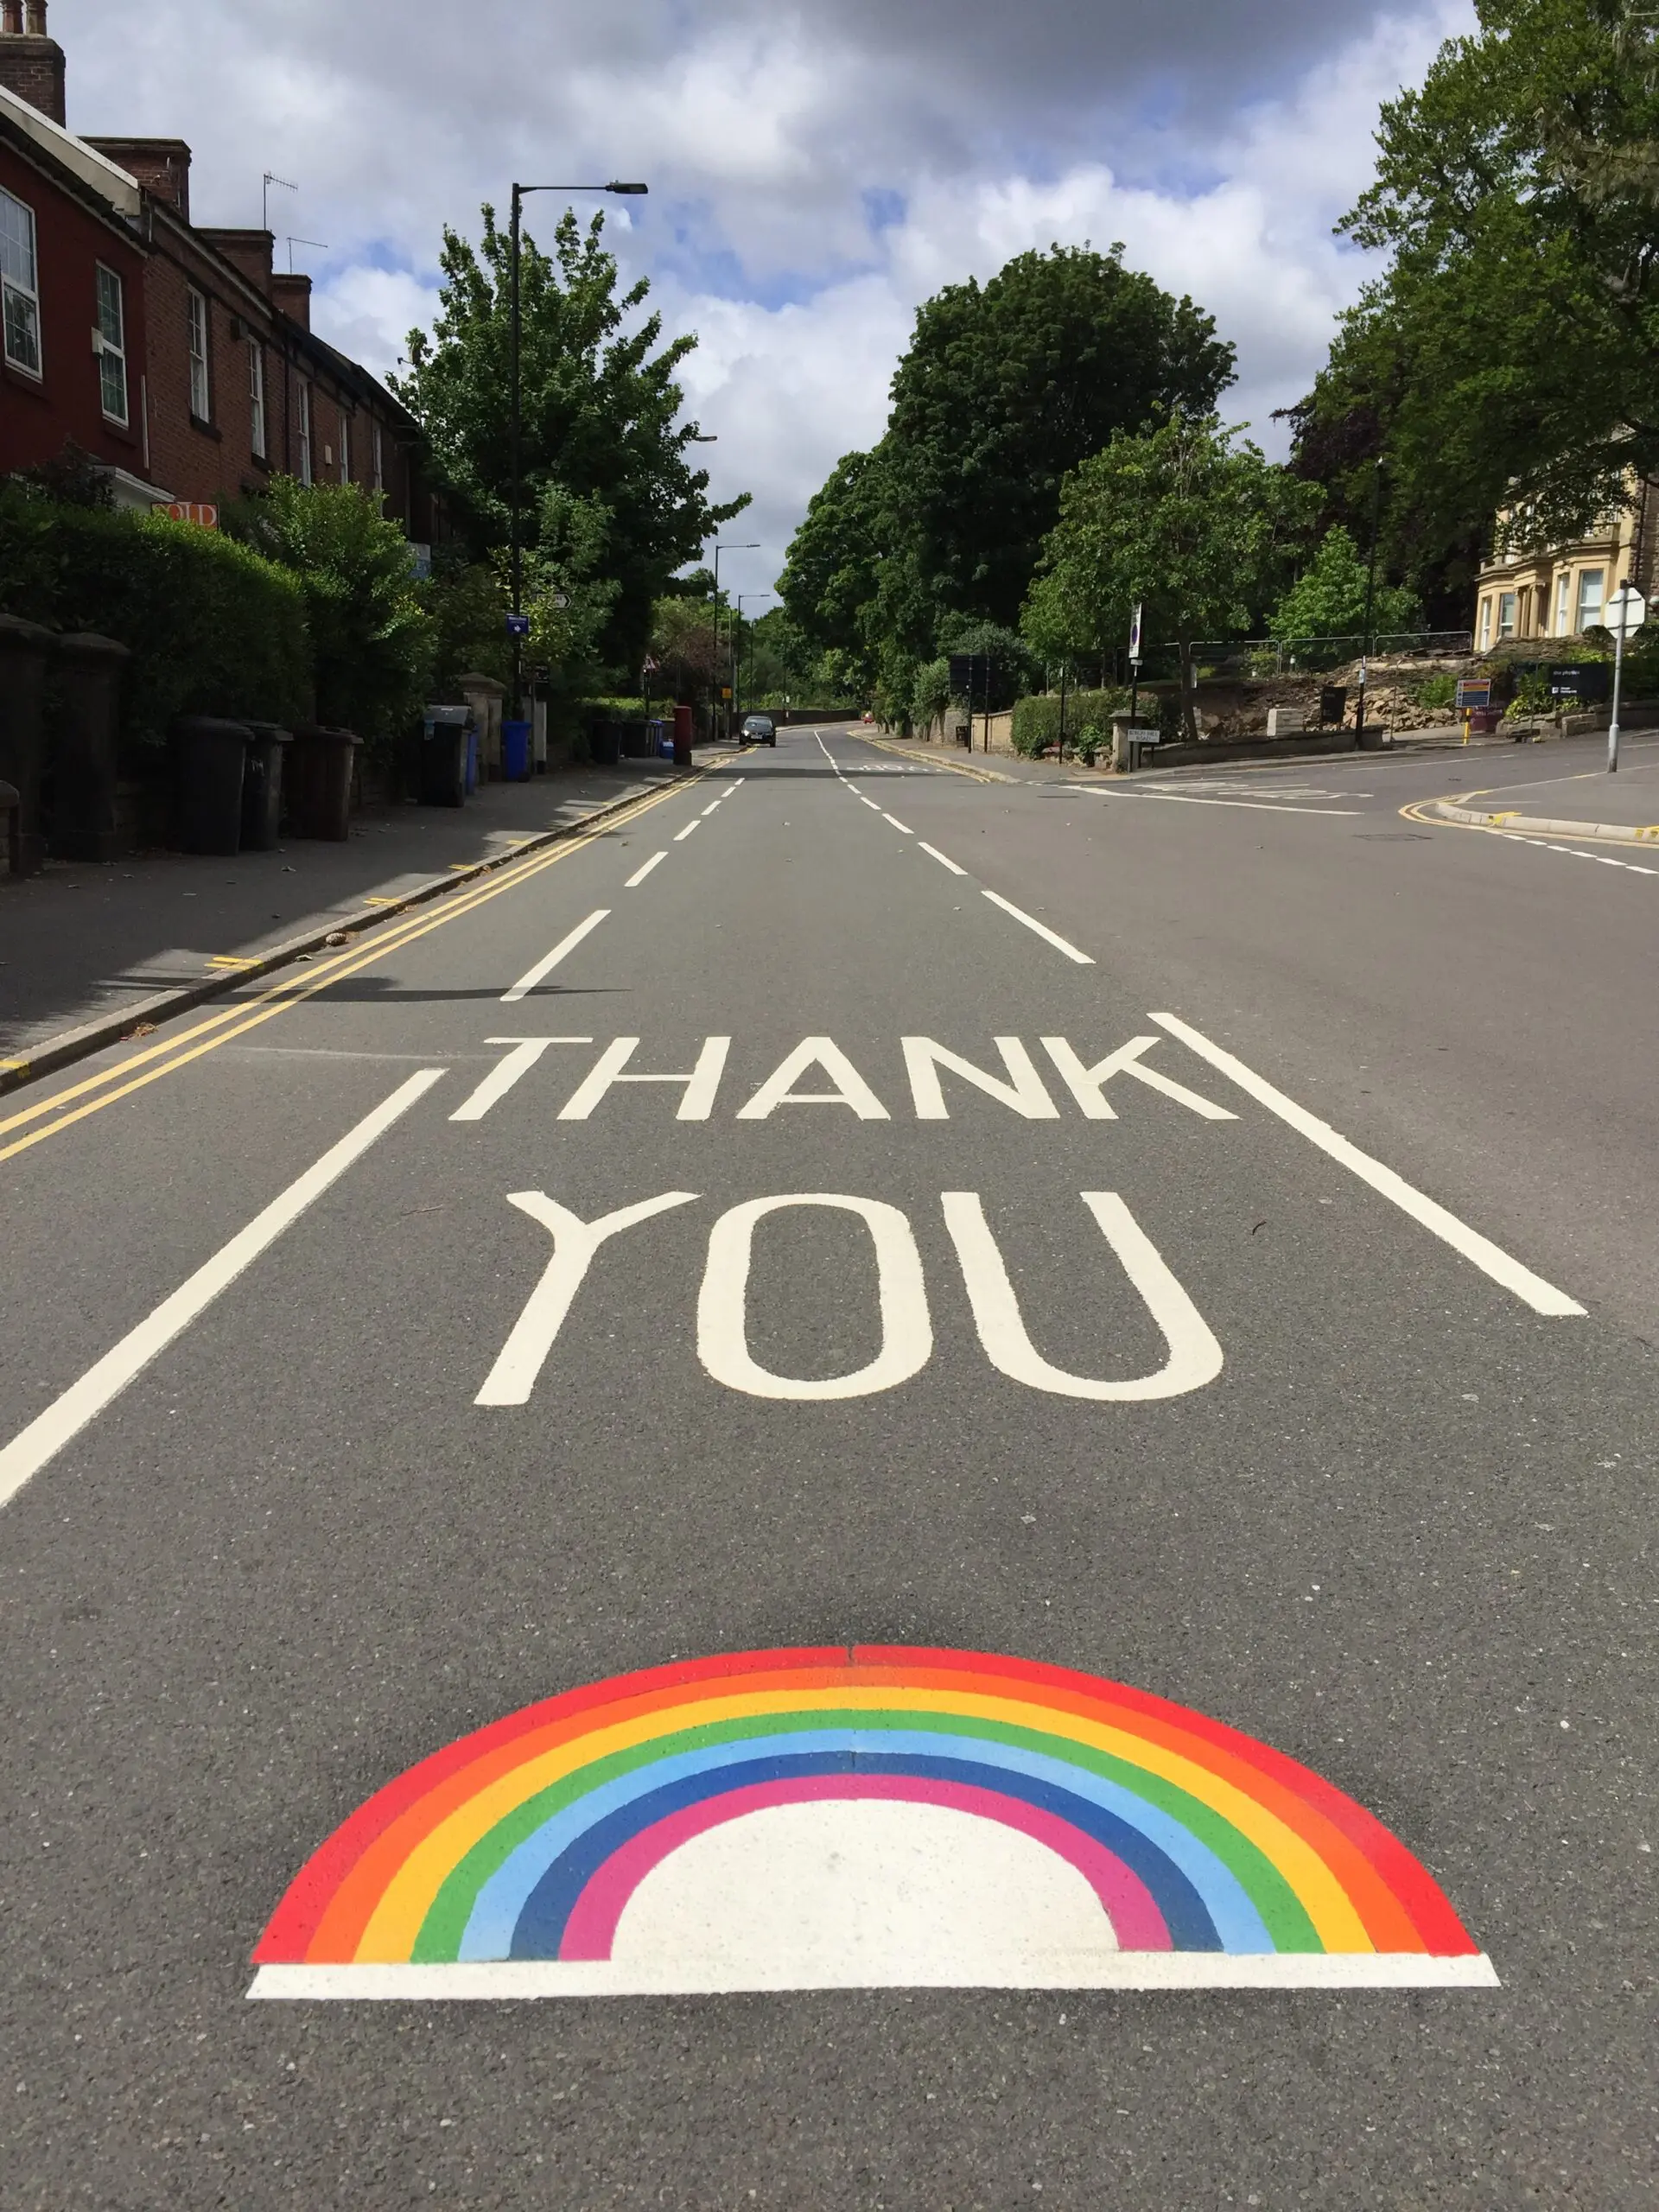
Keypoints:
(842, 1208)
(1621, 806)
(83, 944)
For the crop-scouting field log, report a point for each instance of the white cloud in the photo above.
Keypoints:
(1219, 142)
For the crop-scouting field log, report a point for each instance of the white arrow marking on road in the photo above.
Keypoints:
(83, 1401)
(1532, 1290)
(512, 1378)
(1195, 1357)
(722, 1303)
(527, 983)
(1082, 959)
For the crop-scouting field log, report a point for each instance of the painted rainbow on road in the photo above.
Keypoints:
(506, 1864)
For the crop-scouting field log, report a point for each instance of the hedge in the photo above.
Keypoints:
(1037, 720)
(213, 628)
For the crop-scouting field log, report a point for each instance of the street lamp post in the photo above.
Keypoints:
(515, 410)
(714, 665)
(737, 641)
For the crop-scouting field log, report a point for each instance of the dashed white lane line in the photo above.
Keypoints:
(83, 1401)
(1532, 1290)
(680, 836)
(897, 824)
(870, 803)
(640, 874)
(1082, 959)
(712, 804)
(527, 982)
(1577, 853)
(933, 853)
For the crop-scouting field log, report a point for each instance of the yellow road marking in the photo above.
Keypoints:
(236, 1021)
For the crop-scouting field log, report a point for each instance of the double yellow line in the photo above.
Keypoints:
(60, 1111)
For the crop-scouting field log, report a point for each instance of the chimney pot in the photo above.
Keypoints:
(31, 64)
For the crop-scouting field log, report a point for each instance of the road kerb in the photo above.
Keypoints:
(72, 1044)
(1512, 819)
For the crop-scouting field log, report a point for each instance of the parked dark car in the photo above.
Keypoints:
(759, 729)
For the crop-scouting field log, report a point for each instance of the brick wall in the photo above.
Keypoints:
(32, 68)
(38, 414)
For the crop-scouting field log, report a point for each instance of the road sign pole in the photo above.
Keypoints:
(1629, 611)
(1613, 727)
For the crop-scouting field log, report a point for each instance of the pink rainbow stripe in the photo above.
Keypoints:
(590, 1932)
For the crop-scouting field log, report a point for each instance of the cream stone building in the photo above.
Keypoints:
(1564, 592)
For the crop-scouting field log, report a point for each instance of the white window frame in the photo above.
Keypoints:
(345, 446)
(258, 425)
(111, 342)
(202, 386)
(1587, 614)
(1563, 603)
(20, 285)
(1485, 621)
(305, 433)
(1506, 614)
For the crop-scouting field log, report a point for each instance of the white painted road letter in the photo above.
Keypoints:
(701, 1084)
(722, 1303)
(1194, 1356)
(1088, 1085)
(513, 1377)
(820, 1052)
(1024, 1092)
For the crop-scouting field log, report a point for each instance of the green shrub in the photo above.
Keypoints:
(214, 629)
(1436, 691)
(1036, 722)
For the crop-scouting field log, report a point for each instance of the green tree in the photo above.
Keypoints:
(831, 577)
(372, 635)
(1189, 519)
(1009, 384)
(600, 404)
(1510, 353)
(1328, 599)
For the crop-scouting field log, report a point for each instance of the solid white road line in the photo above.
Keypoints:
(897, 824)
(640, 874)
(526, 1979)
(1532, 1290)
(49, 1433)
(933, 853)
(680, 836)
(526, 983)
(1252, 805)
(1082, 959)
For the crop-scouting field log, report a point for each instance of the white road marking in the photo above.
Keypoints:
(933, 853)
(528, 1979)
(1532, 1290)
(526, 983)
(1195, 1357)
(712, 804)
(1577, 853)
(901, 1290)
(1023, 1092)
(870, 803)
(897, 824)
(640, 874)
(1087, 1085)
(512, 1378)
(1082, 959)
(1182, 798)
(680, 834)
(47, 1433)
(500, 1079)
(701, 1084)
(822, 1052)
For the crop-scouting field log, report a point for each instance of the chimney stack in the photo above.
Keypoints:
(161, 165)
(31, 64)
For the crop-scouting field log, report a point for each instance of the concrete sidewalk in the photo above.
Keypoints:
(1624, 808)
(86, 944)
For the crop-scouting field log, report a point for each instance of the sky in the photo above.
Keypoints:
(817, 168)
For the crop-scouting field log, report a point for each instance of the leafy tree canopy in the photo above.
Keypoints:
(1328, 599)
(1189, 519)
(1510, 354)
(600, 409)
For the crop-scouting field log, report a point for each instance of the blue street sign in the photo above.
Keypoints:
(518, 626)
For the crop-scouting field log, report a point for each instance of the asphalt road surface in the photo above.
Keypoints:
(1266, 1323)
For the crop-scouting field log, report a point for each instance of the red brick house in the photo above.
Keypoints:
(227, 383)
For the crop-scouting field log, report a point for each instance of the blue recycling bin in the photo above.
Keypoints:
(515, 751)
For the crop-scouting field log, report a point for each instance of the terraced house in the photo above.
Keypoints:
(177, 355)
(1563, 592)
